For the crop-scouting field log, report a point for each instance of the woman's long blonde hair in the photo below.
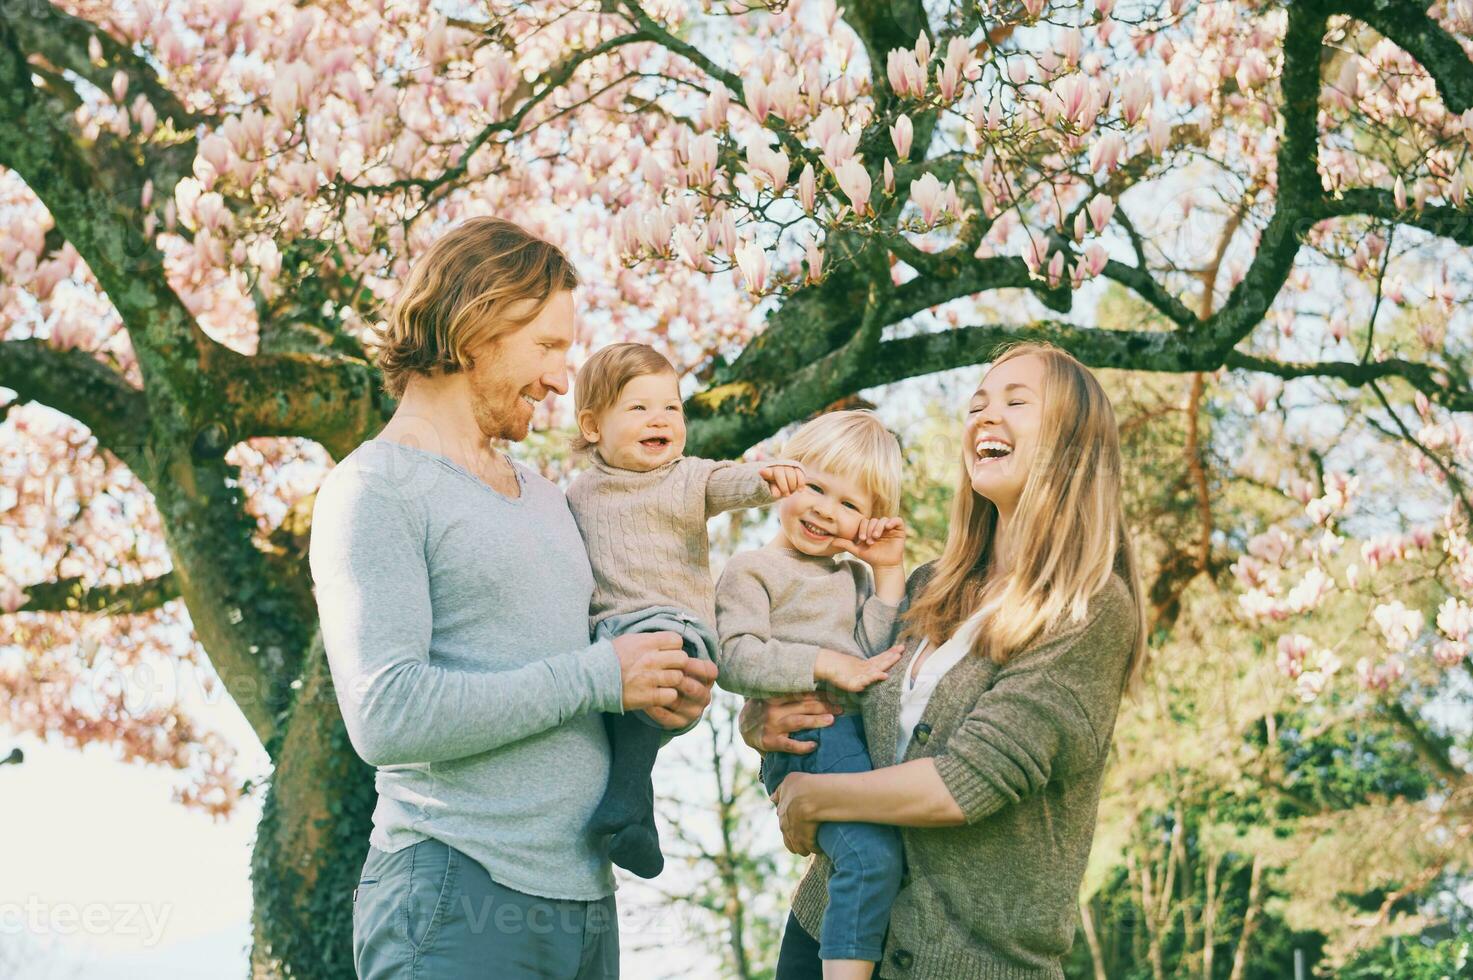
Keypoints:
(1068, 533)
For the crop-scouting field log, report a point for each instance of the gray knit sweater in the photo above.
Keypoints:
(1022, 747)
(455, 621)
(646, 532)
(777, 607)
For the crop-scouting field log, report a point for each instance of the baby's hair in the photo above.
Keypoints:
(605, 374)
(855, 444)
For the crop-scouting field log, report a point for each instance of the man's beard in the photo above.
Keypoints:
(497, 407)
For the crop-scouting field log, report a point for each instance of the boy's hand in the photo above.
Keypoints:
(782, 479)
(854, 674)
(879, 541)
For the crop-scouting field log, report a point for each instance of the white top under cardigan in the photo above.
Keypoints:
(915, 692)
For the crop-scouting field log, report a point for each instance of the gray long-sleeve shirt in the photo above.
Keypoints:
(455, 621)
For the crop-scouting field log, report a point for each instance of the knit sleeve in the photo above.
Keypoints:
(1049, 712)
(874, 619)
(733, 485)
(750, 662)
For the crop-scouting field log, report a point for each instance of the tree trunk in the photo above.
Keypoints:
(312, 839)
(1250, 920)
(1096, 957)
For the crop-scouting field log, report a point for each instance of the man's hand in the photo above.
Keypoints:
(782, 479)
(767, 724)
(695, 694)
(653, 667)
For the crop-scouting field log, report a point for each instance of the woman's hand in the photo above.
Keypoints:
(793, 799)
(768, 724)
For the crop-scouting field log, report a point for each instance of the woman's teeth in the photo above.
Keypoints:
(990, 449)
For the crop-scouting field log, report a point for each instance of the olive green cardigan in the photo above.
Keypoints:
(1022, 747)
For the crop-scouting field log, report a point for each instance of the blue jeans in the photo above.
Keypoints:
(428, 911)
(866, 856)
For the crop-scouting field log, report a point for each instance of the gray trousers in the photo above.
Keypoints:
(430, 912)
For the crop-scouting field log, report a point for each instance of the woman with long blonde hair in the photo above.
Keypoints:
(989, 737)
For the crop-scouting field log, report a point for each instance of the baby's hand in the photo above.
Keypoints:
(782, 479)
(853, 674)
(877, 540)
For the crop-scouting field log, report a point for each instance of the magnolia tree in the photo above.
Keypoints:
(207, 205)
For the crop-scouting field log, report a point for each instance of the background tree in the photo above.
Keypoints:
(207, 204)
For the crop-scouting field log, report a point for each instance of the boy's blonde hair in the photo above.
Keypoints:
(483, 279)
(605, 374)
(855, 444)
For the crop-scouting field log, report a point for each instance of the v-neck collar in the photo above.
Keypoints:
(459, 470)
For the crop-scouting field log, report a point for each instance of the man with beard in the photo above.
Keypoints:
(453, 589)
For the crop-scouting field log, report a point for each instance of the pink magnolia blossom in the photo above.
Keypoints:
(807, 187)
(907, 77)
(813, 255)
(751, 262)
(1095, 258)
(1158, 131)
(768, 165)
(1455, 619)
(1399, 625)
(1106, 152)
(1135, 98)
(854, 181)
(702, 166)
(755, 94)
(901, 134)
(1101, 208)
(1055, 269)
(927, 195)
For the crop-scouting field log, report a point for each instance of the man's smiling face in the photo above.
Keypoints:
(517, 370)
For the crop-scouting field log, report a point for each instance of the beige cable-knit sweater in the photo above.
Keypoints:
(646, 532)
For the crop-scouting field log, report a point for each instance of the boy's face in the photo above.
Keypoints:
(829, 505)
(644, 428)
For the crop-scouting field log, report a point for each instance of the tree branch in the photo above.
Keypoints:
(72, 595)
(335, 401)
(1454, 395)
(62, 39)
(93, 195)
(77, 384)
(1442, 220)
(1408, 26)
(1299, 187)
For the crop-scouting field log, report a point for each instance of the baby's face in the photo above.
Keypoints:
(829, 505)
(644, 428)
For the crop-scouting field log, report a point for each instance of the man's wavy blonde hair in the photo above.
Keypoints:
(483, 279)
